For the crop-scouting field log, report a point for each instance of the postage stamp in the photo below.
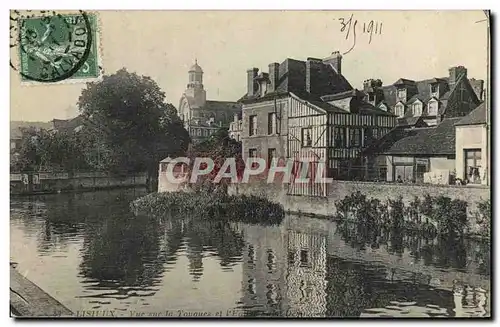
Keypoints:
(58, 47)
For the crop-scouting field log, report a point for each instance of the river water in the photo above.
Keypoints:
(89, 252)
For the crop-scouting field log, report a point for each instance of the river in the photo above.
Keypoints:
(89, 252)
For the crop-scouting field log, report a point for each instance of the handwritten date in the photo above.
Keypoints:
(350, 26)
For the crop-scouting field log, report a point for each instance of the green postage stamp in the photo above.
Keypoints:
(58, 47)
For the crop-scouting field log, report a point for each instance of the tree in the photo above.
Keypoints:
(47, 150)
(218, 147)
(130, 124)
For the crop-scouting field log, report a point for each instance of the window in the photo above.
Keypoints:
(304, 257)
(271, 153)
(368, 136)
(355, 137)
(473, 166)
(417, 109)
(401, 93)
(271, 123)
(306, 137)
(252, 153)
(434, 88)
(433, 108)
(371, 96)
(375, 133)
(399, 110)
(291, 257)
(238, 137)
(340, 137)
(253, 125)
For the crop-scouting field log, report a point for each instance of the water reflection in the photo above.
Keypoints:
(301, 268)
(334, 271)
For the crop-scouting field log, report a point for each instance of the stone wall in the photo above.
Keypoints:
(339, 189)
(32, 183)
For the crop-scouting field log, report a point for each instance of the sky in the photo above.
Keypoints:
(164, 44)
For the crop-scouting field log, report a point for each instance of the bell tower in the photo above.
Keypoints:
(194, 90)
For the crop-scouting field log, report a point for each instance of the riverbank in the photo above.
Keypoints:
(79, 190)
(29, 300)
(325, 207)
(54, 183)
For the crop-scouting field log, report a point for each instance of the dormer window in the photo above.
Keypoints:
(383, 107)
(432, 108)
(399, 110)
(417, 109)
(371, 96)
(434, 88)
(402, 94)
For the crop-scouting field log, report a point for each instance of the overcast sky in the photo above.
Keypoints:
(164, 44)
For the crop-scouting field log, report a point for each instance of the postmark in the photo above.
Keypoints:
(58, 47)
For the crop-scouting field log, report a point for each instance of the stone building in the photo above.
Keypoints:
(203, 117)
(235, 128)
(427, 102)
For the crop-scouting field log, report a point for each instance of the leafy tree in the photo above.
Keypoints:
(130, 124)
(219, 147)
(46, 150)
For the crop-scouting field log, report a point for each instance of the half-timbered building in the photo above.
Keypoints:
(308, 111)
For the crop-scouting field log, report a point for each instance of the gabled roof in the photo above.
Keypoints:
(438, 140)
(363, 108)
(404, 81)
(411, 122)
(424, 91)
(475, 117)
(68, 125)
(15, 127)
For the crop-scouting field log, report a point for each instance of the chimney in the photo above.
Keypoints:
(455, 74)
(312, 70)
(335, 60)
(252, 85)
(235, 119)
(274, 76)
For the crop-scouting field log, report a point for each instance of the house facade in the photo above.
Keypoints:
(417, 154)
(308, 109)
(200, 116)
(472, 157)
(427, 102)
(235, 128)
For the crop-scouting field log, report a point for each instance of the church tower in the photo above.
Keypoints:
(195, 90)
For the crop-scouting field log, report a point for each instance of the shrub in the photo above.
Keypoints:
(451, 216)
(397, 211)
(442, 214)
(217, 205)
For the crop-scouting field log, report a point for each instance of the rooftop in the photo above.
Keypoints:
(438, 140)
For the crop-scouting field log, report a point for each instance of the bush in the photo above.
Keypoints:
(442, 214)
(251, 209)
